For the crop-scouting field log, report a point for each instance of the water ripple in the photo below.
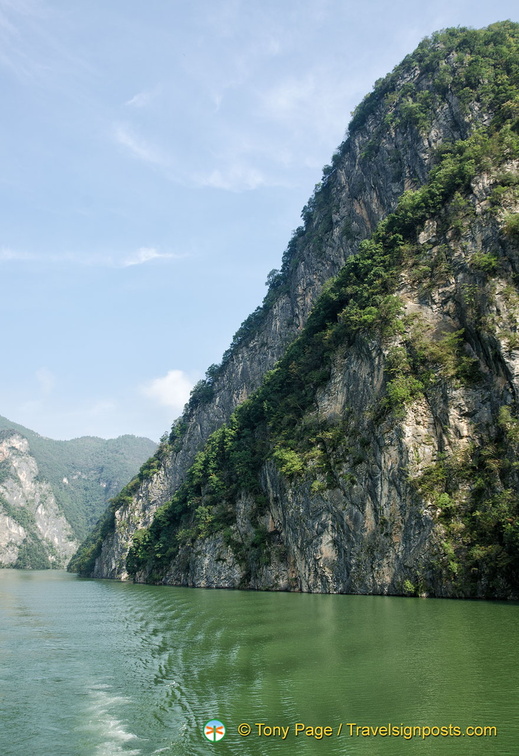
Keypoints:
(99, 668)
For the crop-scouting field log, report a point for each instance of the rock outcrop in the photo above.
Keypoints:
(53, 492)
(34, 533)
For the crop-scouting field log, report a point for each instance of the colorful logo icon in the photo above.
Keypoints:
(214, 730)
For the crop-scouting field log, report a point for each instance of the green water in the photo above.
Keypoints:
(99, 668)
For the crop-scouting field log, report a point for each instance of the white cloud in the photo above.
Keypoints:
(142, 99)
(33, 46)
(138, 146)
(11, 255)
(172, 390)
(142, 255)
(235, 178)
(13, 54)
(286, 99)
(145, 254)
(7, 254)
(314, 106)
(22, 7)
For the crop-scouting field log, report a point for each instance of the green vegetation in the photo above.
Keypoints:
(33, 553)
(420, 362)
(19, 514)
(84, 473)
(5, 469)
(475, 492)
(84, 559)
(512, 227)
(483, 69)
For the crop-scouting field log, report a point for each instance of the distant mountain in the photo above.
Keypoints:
(74, 478)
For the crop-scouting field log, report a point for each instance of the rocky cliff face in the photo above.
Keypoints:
(336, 447)
(84, 473)
(34, 533)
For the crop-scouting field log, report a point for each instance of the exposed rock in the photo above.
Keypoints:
(33, 531)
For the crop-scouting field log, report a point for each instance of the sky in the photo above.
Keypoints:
(155, 158)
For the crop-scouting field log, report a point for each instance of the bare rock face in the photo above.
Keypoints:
(374, 489)
(34, 534)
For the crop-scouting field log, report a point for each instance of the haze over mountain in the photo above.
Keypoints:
(53, 492)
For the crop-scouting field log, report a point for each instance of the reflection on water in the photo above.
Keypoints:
(100, 668)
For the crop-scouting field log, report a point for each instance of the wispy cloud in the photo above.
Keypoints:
(145, 254)
(13, 255)
(7, 254)
(22, 7)
(33, 44)
(287, 98)
(235, 178)
(141, 256)
(144, 98)
(139, 147)
(13, 55)
(317, 101)
(172, 390)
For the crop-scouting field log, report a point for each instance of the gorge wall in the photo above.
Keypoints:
(33, 531)
(53, 492)
(360, 434)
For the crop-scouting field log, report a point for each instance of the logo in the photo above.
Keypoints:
(214, 730)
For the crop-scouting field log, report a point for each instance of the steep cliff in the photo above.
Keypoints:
(84, 473)
(34, 533)
(360, 433)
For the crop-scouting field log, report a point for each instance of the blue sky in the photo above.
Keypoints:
(155, 158)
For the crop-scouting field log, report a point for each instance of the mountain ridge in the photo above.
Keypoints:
(72, 481)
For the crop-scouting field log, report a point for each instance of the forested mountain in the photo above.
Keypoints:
(53, 492)
(361, 433)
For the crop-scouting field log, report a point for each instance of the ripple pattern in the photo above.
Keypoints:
(100, 668)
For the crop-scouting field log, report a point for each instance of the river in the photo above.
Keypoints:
(101, 668)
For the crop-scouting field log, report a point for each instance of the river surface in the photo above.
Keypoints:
(101, 668)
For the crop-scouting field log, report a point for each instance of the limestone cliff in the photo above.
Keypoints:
(84, 473)
(34, 533)
(359, 434)
(52, 492)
